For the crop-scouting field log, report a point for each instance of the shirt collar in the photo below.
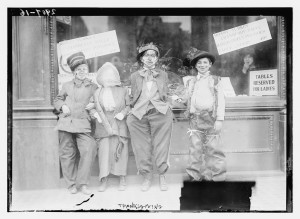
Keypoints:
(205, 75)
(144, 67)
(85, 82)
(144, 72)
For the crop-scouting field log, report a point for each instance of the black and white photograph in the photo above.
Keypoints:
(150, 109)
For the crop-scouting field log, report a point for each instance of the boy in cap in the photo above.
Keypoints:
(77, 148)
(150, 120)
(205, 109)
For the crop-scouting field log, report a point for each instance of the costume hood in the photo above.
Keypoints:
(108, 75)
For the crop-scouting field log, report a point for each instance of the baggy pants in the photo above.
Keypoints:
(77, 152)
(151, 135)
(206, 159)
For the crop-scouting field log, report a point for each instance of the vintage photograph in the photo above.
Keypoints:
(150, 109)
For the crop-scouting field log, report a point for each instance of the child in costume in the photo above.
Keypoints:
(150, 120)
(110, 105)
(205, 109)
(74, 127)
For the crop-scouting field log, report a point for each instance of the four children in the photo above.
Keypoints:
(149, 122)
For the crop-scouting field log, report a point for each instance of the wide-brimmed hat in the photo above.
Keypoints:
(146, 47)
(202, 54)
(75, 60)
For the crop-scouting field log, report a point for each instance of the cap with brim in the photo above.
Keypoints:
(200, 55)
(75, 60)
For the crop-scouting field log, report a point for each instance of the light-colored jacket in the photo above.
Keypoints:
(121, 99)
(217, 92)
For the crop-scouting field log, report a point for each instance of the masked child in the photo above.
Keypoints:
(110, 107)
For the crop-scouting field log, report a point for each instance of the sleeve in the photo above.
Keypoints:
(221, 101)
(94, 87)
(186, 92)
(93, 110)
(166, 87)
(132, 88)
(126, 110)
(59, 100)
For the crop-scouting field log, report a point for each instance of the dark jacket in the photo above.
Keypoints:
(137, 85)
(76, 95)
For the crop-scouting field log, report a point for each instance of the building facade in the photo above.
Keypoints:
(254, 133)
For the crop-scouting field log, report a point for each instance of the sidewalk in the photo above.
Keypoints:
(269, 194)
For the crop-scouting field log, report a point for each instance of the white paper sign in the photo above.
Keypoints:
(263, 83)
(227, 87)
(242, 36)
(92, 46)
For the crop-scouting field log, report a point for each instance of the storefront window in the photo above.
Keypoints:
(248, 71)
(252, 70)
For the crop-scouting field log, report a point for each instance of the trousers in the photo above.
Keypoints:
(206, 159)
(151, 137)
(77, 152)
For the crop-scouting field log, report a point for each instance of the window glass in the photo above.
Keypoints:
(248, 71)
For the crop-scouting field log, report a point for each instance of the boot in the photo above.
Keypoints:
(122, 185)
(146, 185)
(85, 190)
(103, 184)
(162, 183)
(72, 189)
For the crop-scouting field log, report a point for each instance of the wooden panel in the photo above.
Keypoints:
(35, 155)
(282, 138)
(248, 133)
(31, 75)
(250, 141)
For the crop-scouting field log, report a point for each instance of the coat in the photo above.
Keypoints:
(137, 85)
(121, 99)
(217, 91)
(76, 95)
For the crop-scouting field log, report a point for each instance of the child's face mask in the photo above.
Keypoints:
(203, 65)
(149, 59)
(81, 71)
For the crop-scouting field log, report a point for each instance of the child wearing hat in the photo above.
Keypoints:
(77, 148)
(205, 109)
(150, 119)
(112, 141)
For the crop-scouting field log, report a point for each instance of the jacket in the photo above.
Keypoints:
(217, 92)
(121, 99)
(76, 95)
(137, 84)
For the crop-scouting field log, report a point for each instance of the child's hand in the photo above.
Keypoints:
(90, 106)
(96, 115)
(119, 116)
(174, 97)
(218, 126)
(66, 110)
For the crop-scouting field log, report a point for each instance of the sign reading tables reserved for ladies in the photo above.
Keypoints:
(242, 36)
(263, 83)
